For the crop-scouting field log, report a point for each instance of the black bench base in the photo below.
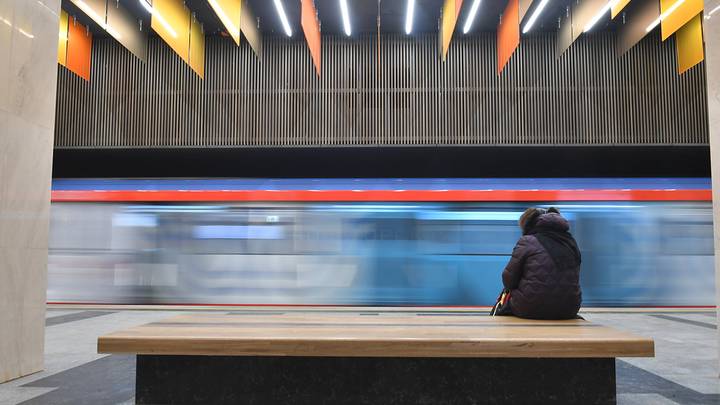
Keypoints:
(350, 380)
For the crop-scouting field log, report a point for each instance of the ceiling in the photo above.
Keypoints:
(363, 16)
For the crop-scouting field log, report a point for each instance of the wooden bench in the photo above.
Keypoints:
(311, 357)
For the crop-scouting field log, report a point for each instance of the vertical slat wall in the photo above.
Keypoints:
(587, 97)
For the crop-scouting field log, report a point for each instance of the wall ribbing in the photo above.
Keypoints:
(587, 97)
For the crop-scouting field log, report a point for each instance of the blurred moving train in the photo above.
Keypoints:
(645, 242)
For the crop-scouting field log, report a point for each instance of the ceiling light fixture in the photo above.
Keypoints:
(609, 6)
(160, 18)
(664, 15)
(223, 17)
(535, 16)
(471, 16)
(283, 17)
(345, 17)
(409, 16)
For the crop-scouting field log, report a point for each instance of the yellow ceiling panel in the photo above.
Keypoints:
(228, 11)
(689, 44)
(677, 13)
(171, 20)
(197, 48)
(62, 38)
(449, 18)
(618, 7)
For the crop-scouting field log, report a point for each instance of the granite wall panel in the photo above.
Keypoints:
(712, 59)
(28, 78)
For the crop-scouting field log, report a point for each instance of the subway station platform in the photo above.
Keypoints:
(683, 371)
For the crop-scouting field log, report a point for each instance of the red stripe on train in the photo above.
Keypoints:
(376, 195)
(195, 304)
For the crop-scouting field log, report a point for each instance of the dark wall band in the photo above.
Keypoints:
(349, 162)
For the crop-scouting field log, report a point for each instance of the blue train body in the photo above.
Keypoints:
(635, 253)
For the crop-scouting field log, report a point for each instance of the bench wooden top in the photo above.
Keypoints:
(378, 334)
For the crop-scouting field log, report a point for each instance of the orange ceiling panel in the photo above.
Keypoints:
(311, 28)
(79, 47)
(458, 6)
(508, 36)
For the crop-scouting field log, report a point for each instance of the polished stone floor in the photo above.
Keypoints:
(684, 371)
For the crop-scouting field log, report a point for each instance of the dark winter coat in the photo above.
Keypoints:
(544, 271)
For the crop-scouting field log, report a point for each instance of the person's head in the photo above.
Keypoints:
(530, 216)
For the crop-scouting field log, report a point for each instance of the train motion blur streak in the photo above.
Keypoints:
(635, 253)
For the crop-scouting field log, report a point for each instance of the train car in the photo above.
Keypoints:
(645, 242)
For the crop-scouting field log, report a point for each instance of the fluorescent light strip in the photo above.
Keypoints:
(409, 16)
(535, 16)
(664, 15)
(224, 17)
(609, 6)
(471, 16)
(713, 11)
(283, 17)
(345, 17)
(160, 18)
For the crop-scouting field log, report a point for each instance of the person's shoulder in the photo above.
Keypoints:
(530, 241)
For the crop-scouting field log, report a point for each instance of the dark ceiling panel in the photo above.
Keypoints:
(637, 16)
(582, 13)
(126, 24)
(565, 35)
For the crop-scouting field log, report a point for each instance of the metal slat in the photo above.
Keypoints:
(408, 97)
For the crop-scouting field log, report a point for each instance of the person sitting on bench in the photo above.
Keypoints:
(543, 275)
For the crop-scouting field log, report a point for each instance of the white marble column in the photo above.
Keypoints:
(28, 76)
(712, 60)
